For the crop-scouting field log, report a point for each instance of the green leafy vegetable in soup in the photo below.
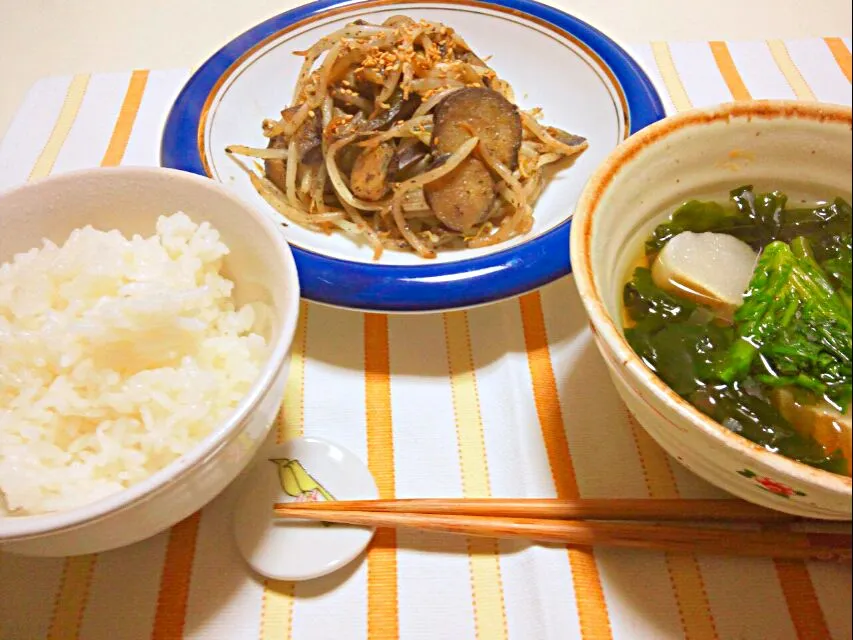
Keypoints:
(754, 331)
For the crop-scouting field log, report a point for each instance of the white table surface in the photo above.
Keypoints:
(55, 37)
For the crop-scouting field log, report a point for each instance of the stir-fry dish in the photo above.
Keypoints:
(401, 136)
(744, 309)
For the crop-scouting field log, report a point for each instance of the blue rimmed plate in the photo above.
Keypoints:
(584, 82)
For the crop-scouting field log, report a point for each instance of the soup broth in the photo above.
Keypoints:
(743, 308)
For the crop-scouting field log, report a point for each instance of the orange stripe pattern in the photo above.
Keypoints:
(70, 602)
(277, 609)
(483, 554)
(126, 119)
(669, 73)
(170, 616)
(278, 599)
(842, 56)
(731, 76)
(685, 576)
(70, 599)
(382, 607)
(789, 69)
(61, 127)
(291, 417)
(73, 593)
(592, 607)
(803, 605)
(688, 585)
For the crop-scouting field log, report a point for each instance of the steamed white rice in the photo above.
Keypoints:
(116, 356)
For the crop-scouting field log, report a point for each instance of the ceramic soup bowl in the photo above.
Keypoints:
(803, 149)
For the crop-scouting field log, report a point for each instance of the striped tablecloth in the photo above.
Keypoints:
(509, 400)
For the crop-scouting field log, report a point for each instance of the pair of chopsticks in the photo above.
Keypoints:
(608, 523)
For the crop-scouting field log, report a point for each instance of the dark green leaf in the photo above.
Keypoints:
(757, 420)
(682, 353)
(642, 297)
(696, 216)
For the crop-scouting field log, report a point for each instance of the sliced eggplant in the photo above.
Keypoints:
(399, 109)
(309, 140)
(414, 169)
(408, 153)
(275, 169)
(462, 198)
(369, 177)
(346, 158)
(480, 112)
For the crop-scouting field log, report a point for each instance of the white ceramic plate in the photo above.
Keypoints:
(584, 82)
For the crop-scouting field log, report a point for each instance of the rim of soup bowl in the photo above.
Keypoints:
(603, 324)
(27, 527)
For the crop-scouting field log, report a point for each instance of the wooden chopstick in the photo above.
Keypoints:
(604, 509)
(681, 539)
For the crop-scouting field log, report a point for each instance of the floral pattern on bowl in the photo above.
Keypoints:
(769, 484)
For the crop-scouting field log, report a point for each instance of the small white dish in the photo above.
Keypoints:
(299, 470)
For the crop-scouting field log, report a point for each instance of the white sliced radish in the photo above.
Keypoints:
(711, 268)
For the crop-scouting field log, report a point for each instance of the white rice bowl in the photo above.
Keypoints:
(117, 356)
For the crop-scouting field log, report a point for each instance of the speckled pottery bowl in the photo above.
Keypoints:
(804, 149)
